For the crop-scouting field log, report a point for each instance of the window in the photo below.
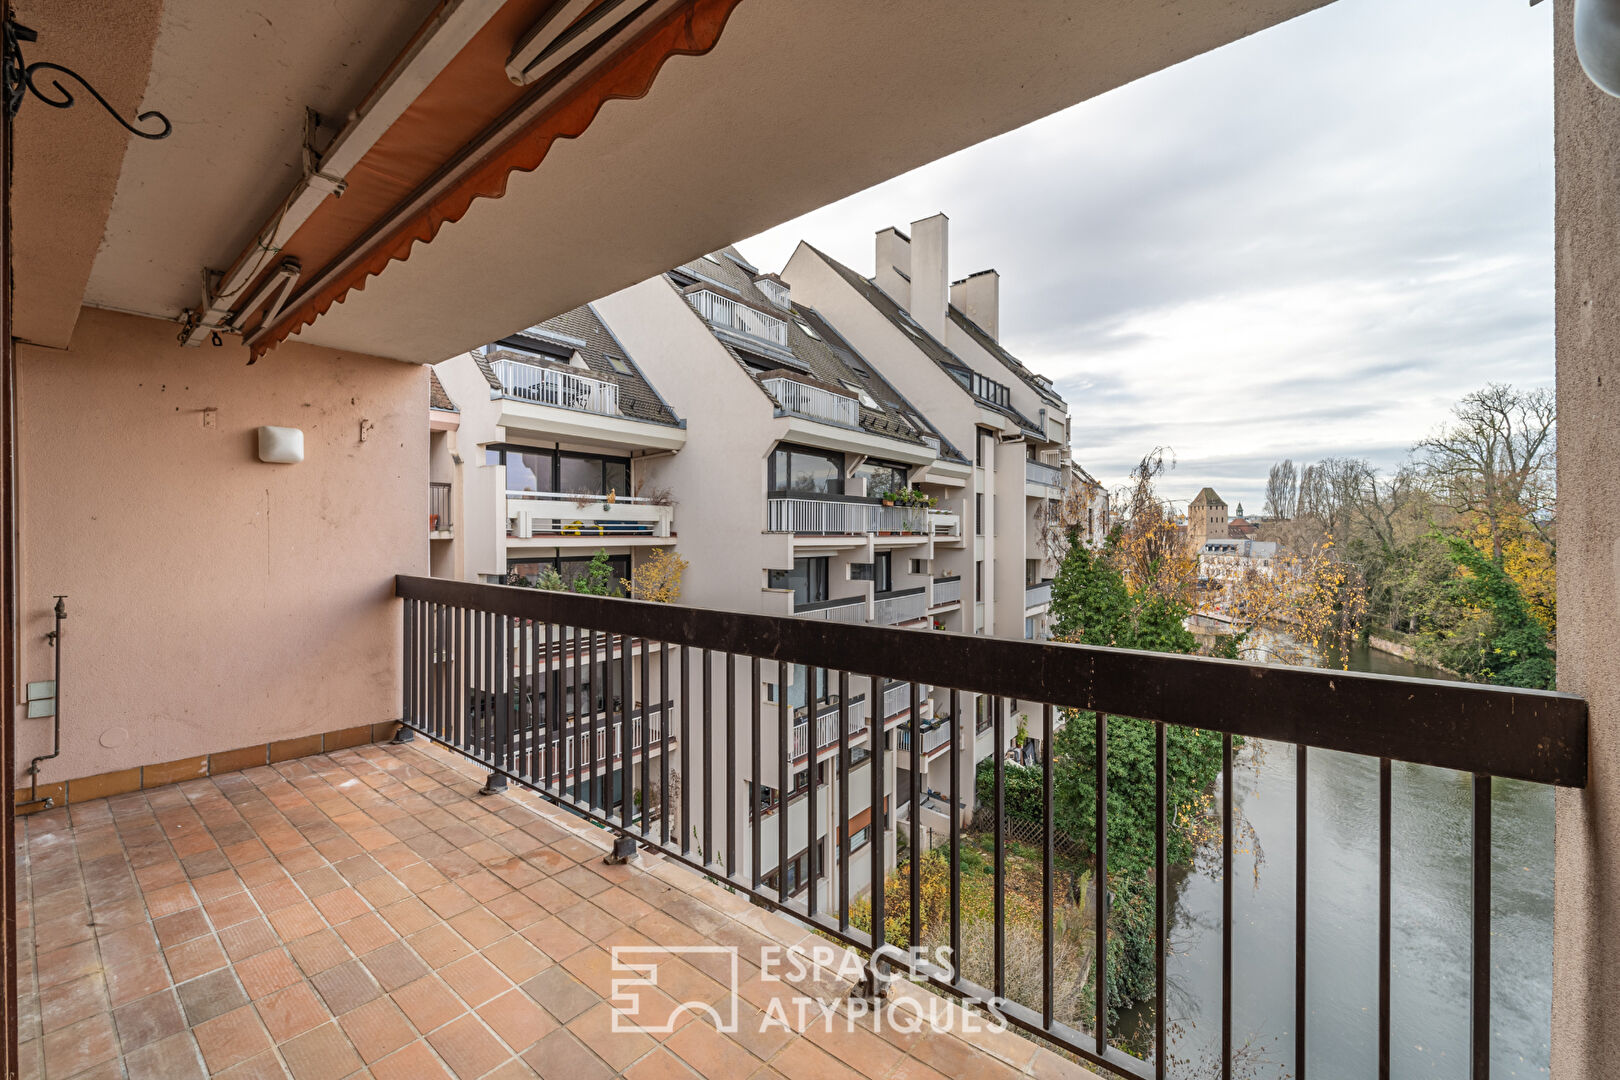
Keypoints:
(798, 470)
(1032, 572)
(982, 717)
(860, 838)
(682, 279)
(571, 568)
(807, 579)
(618, 363)
(982, 442)
(978, 514)
(866, 399)
(534, 469)
(919, 566)
(806, 328)
(978, 581)
(882, 476)
(884, 572)
(798, 869)
(799, 687)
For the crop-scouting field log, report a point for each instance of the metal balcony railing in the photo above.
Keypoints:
(814, 402)
(550, 513)
(704, 667)
(900, 605)
(439, 520)
(726, 312)
(947, 590)
(854, 721)
(845, 609)
(934, 736)
(840, 516)
(983, 388)
(553, 386)
(944, 523)
(1038, 594)
(1039, 472)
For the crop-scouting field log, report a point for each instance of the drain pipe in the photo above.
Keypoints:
(55, 639)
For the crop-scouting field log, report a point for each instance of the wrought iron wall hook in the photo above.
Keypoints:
(20, 76)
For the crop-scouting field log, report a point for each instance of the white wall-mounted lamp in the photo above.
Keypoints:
(281, 445)
(1597, 42)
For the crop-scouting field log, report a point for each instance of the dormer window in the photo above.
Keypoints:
(806, 328)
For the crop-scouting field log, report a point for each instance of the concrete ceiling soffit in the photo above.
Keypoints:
(66, 162)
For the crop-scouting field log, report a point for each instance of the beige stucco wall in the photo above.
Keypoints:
(214, 601)
(1586, 932)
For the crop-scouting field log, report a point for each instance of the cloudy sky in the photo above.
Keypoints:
(1309, 243)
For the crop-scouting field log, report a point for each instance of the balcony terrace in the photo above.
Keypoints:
(814, 402)
(842, 517)
(441, 526)
(556, 517)
(555, 387)
(1041, 480)
(1480, 731)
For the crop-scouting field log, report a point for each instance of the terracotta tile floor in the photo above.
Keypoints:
(365, 914)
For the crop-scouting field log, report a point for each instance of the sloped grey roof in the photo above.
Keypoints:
(822, 354)
(990, 345)
(1207, 497)
(438, 396)
(581, 331)
(930, 346)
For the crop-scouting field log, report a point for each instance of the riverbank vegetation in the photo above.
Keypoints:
(1456, 549)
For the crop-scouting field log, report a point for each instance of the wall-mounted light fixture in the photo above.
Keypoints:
(1597, 42)
(281, 445)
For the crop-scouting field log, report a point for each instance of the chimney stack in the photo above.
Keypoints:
(894, 265)
(930, 282)
(978, 296)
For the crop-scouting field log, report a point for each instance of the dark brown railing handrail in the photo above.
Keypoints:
(1534, 735)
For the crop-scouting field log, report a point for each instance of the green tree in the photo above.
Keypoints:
(1089, 602)
(598, 578)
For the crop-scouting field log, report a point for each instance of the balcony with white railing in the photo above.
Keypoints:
(556, 387)
(1037, 594)
(827, 727)
(841, 517)
(531, 514)
(947, 590)
(897, 699)
(738, 317)
(846, 609)
(1041, 474)
(936, 735)
(900, 606)
(814, 402)
(944, 523)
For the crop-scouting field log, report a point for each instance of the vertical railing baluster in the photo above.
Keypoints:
(842, 774)
(811, 824)
(548, 749)
(1479, 1019)
(688, 752)
(576, 727)
(645, 719)
(706, 807)
(957, 737)
(999, 741)
(1100, 878)
(1161, 906)
(1385, 821)
(915, 723)
(1047, 941)
(626, 750)
(783, 778)
(1228, 798)
(731, 765)
(880, 821)
(503, 703)
(408, 646)
(756, 733)
(663, 736)
(1301, 864)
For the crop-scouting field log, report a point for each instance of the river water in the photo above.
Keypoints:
(1430, 905)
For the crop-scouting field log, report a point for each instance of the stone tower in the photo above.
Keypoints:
(1206, 518)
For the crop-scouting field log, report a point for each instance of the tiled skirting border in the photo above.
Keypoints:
(140, 777)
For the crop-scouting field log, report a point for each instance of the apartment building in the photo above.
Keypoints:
(810, 483)
(939, 344)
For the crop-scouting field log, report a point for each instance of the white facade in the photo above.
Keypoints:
(797, 419)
